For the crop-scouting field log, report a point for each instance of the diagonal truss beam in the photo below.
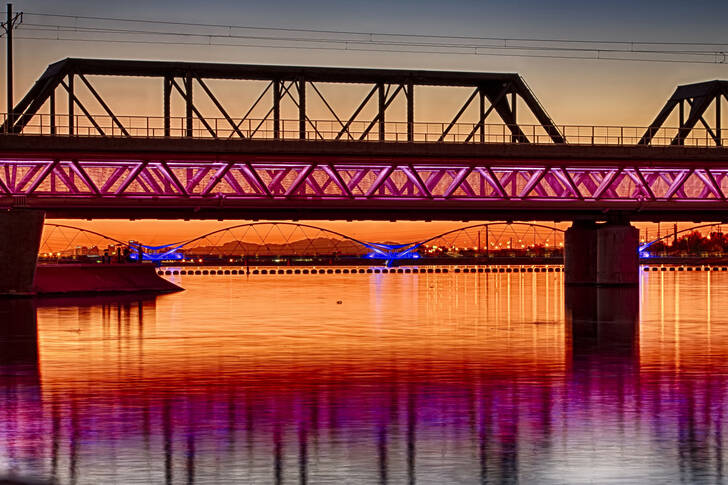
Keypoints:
(459, 114)
(252, 107)
(345, 128)
(700, 111)
(77, 102)
(715, 185)
(507, 113)
(379, 117)
(697, 108)
(484, 114)
(85, 177)
(197, 113)
(219, 106)
(331, 110)
(305, 118)
(278, 93)
(103, 104)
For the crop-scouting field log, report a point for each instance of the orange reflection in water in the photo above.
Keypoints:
(684, 322)
(272, 329)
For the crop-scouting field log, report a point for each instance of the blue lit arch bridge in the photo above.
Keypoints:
(275, 240)
(697, 240)
(61, 241)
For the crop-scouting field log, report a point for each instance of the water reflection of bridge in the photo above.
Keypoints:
(387, 424)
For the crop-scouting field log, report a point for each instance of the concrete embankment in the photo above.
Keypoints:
(66, 279)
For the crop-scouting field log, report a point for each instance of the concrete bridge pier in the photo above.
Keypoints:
(580, 253)
(20, 233)
(604, 254)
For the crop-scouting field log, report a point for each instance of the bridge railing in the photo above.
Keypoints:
(332, 130)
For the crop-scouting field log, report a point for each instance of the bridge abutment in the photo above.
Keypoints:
(20, 234)
(601, 254)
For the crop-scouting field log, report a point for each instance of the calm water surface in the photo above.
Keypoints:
(401, 378)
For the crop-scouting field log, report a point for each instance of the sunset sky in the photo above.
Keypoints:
(572, 91)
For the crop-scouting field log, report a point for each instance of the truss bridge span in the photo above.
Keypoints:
(420, 145)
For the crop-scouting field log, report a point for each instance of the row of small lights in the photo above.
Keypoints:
(475, 248)
(706, 237)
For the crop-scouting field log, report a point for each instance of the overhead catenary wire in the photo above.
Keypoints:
(433, 36)
(720, 58)
(65, 29)
(377, 42)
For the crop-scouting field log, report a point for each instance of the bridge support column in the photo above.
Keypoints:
(580, 253)
(617, 254)
(20, 233)
(601, 254)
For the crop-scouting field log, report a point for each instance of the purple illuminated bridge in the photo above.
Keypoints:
(250, 141)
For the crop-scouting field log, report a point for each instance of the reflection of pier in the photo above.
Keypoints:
(21, 407)
(603, 321)
(439, 421)
(19, 334)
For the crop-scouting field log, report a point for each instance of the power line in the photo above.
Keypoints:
(102, 30)
(579, 49)
(478, 52)
(386, 34)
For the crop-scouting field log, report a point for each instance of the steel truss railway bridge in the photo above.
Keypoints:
(292, 153)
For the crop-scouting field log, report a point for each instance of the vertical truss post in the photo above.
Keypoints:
(71, 105)
(681, 131)
(382, 108)
(482, 115)
(167, 107)
(410, 111)
(514, 138)
(9, 70)
(52, 106)
(718, 136)
(682, 112)
(188, 104)
(276, 109)
(302, 108)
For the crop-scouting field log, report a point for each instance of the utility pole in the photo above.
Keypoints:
(674, 234)
(487, 242)
(8, 26)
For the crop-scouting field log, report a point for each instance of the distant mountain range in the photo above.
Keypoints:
(303, 247)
